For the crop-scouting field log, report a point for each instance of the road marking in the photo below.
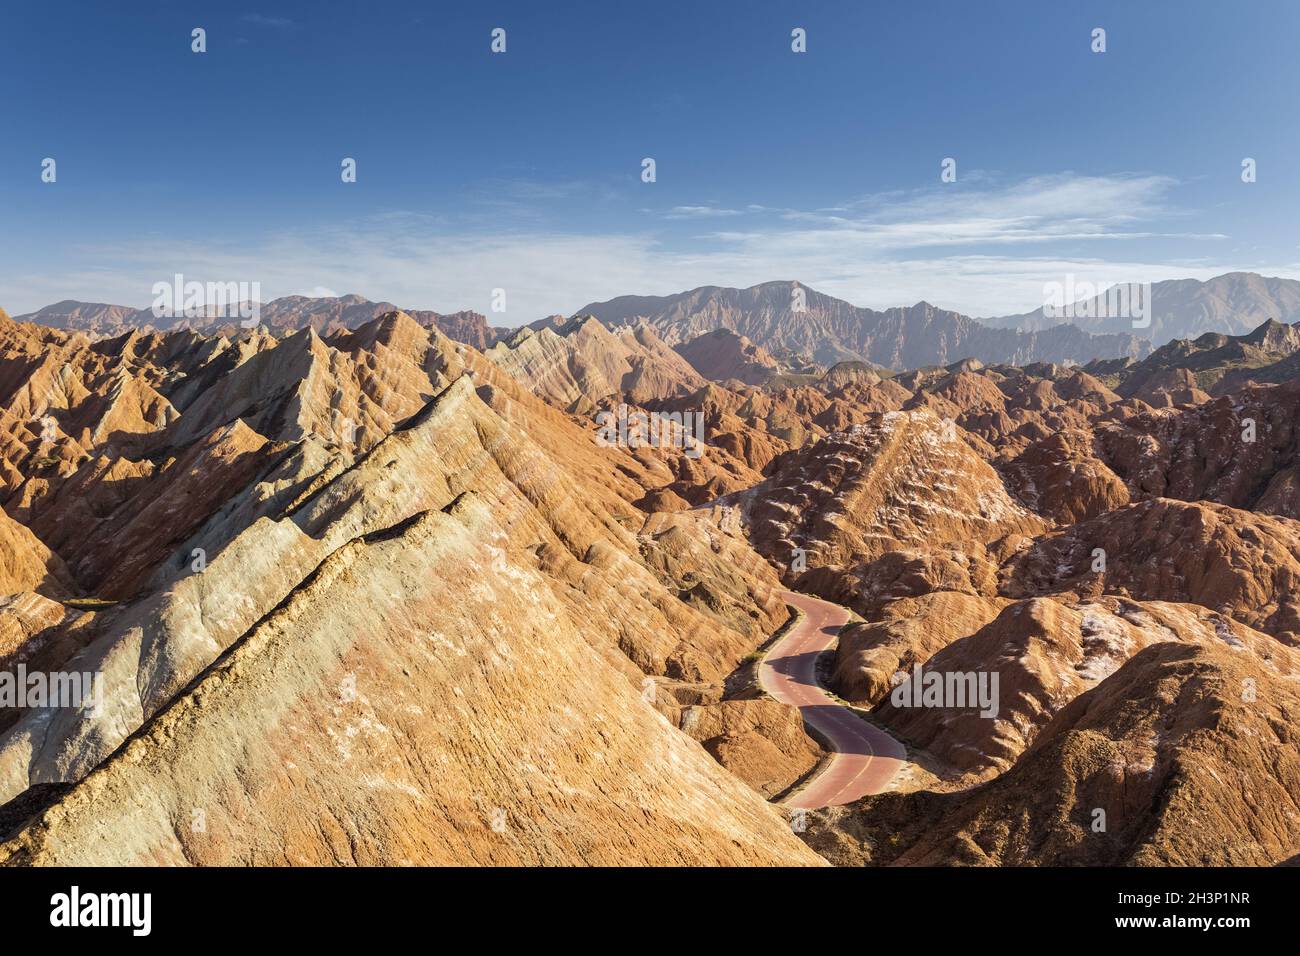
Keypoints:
(800, 688)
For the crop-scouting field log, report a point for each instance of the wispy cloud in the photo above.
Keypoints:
(533, 200)
(952, 248)
(278, 23)
(699, 212)
(1038, 210)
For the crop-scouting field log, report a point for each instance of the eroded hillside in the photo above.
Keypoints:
(375, 596)
(375, 603)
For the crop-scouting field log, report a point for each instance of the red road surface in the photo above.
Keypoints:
(866, 758)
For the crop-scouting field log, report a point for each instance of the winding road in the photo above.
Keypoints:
(865, 758)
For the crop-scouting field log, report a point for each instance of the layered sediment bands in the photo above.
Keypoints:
(901, 480)
(581, 363)
(366, 595)
(762, 742)
(469, 523)
(1131, 635)
(1148, 768)
(714, 571)
(1238, 450)
(26, 563)
(383, 714)
(1062, 478)
(1242, 564)
(152, 648)
(914, 629)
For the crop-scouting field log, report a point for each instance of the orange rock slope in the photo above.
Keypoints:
(375, 596)
(376, 603)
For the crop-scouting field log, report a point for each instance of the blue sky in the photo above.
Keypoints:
(522, 170)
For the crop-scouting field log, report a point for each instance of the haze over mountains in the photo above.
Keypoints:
(1233, 303)
(716, 481)
(763, 317)
(286, 314)
(827, 330)
(786, 326)
(379, 596)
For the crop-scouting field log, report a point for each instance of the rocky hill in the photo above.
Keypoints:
(581, 364)
(1191, 370)
(1230, 304)
(491, 568)
(370, 595)
(787, 318)
(284, 315)
(1125, 571)
(724, 356)
(1146, 768)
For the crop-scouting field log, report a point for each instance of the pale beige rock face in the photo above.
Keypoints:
(432, 602)
(473, 555)
(581, 363)
(387, 715)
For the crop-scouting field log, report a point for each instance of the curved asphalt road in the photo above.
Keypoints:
(866, 759)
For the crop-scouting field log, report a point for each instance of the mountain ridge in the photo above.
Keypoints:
(1233, 303)
(285, 314)
(792, 321)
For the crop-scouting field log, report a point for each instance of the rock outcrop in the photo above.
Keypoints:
(372, 577)
(1147, 768)
(358, 592)
(787, 318)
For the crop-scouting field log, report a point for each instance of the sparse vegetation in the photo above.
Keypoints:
(88, 603)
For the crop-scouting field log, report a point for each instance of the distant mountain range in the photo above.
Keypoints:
(286, 314)
(790, 325)
(1213, 364)
(1234, 303)
(789, 319)
(458, 527)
